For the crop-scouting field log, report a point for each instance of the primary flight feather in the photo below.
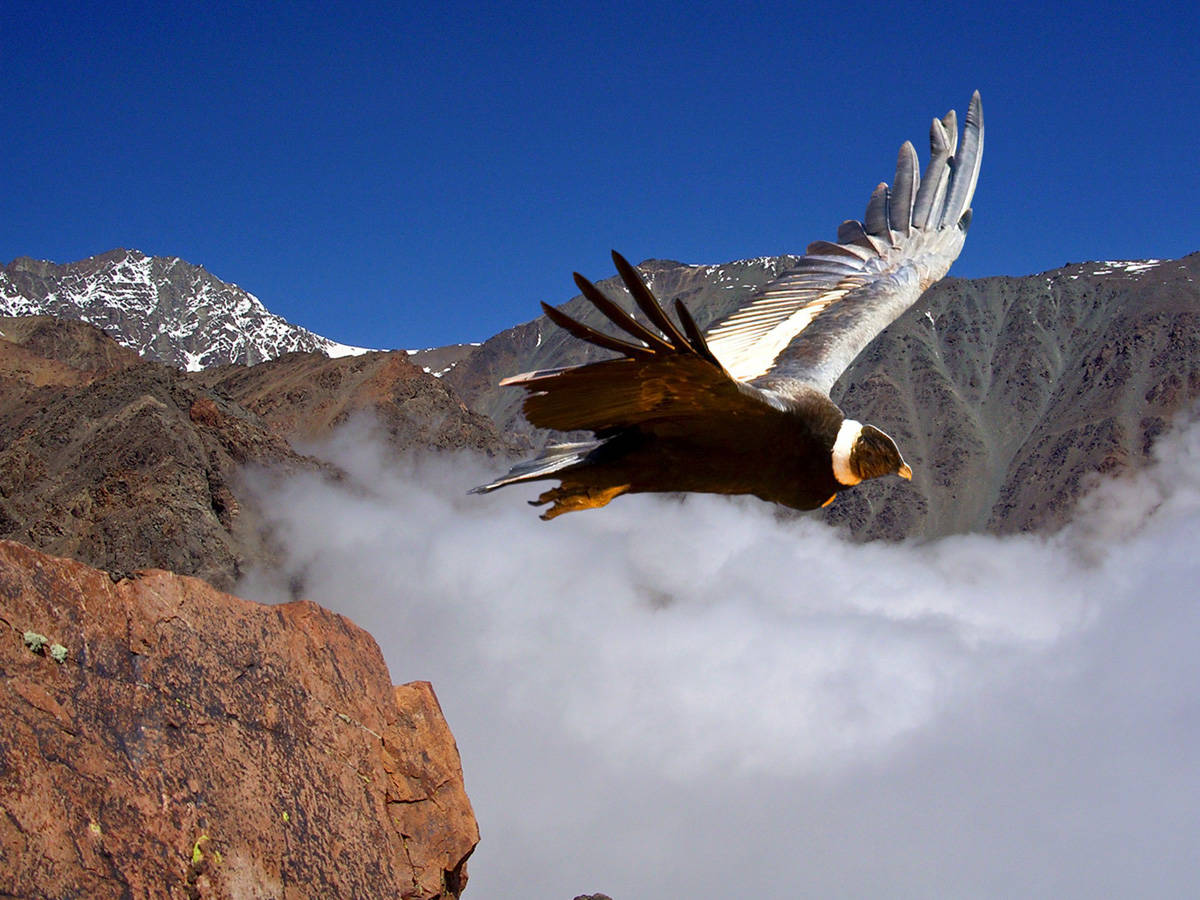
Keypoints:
(745, 408)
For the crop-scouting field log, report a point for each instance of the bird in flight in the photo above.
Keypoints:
(745, 407)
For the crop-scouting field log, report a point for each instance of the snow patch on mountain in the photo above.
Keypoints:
(164, 308)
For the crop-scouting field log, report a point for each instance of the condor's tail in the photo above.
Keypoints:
(549, 464)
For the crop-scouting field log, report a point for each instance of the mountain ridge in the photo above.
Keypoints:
(974, 381)
(164, 308)
(125, 463)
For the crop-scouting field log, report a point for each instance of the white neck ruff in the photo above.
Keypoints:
(846, 438)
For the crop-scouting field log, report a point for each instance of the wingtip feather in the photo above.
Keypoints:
(647, 302)
(904, 188)
(964, 167)
(875, 221)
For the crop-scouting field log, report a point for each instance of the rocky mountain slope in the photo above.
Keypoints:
(1004, 394)
(306, 395)
(49, 349)
(163, 739)
(163, 308)
(126, 464)
(132, 467)
(1010, 395)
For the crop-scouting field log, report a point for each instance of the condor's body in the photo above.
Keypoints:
(745, 408)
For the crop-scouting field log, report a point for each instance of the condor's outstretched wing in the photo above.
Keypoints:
(808, 325)
(662, 381)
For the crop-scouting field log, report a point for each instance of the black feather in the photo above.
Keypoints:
(592, 336)
(647, 302)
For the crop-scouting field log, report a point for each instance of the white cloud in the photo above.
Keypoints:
(666, 699)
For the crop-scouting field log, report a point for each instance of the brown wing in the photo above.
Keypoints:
(665, 380)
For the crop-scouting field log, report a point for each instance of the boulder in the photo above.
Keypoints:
(161, 738)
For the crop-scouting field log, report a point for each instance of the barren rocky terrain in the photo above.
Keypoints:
(163, 739)
(126, 464)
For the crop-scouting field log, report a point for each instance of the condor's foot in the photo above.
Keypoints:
(569, 499)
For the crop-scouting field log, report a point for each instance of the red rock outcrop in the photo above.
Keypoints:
(193, 744)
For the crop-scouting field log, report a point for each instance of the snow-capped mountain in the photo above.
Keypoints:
(163, 307)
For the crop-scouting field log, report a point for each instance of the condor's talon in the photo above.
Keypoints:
(571, 499)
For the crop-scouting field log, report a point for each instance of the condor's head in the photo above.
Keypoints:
(863, 451)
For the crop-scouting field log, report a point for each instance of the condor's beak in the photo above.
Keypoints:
(905, 472)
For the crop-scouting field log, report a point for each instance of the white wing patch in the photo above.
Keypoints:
(748, 341)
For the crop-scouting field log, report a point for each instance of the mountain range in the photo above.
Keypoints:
(137, 393)
(1007, 395)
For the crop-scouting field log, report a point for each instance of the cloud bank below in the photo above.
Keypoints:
(703, 699)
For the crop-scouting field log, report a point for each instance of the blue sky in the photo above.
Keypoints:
(403, 175)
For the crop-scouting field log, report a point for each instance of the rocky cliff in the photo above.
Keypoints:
(125, 464)
(164, 739)
(304, 396)
(130, 467)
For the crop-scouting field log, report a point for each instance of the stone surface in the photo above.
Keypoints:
(193, 744)
(125, 464)
(137, 467)
(79, 348)
(303, 396)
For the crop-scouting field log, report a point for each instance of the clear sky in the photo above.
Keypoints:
(405, 175)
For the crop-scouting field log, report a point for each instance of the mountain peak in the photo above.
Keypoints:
(164, 308)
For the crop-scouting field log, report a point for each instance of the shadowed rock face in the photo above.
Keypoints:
(1006, 395)
(132, 469)
(1009, 396)
(303, 396)
(194, 744)
(125, 464)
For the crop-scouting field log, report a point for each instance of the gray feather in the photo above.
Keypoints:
(933, 185)
(964, 168)
(876, 220)
(904, 188)
(553, 458)
(828, 248)
(950, 126)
